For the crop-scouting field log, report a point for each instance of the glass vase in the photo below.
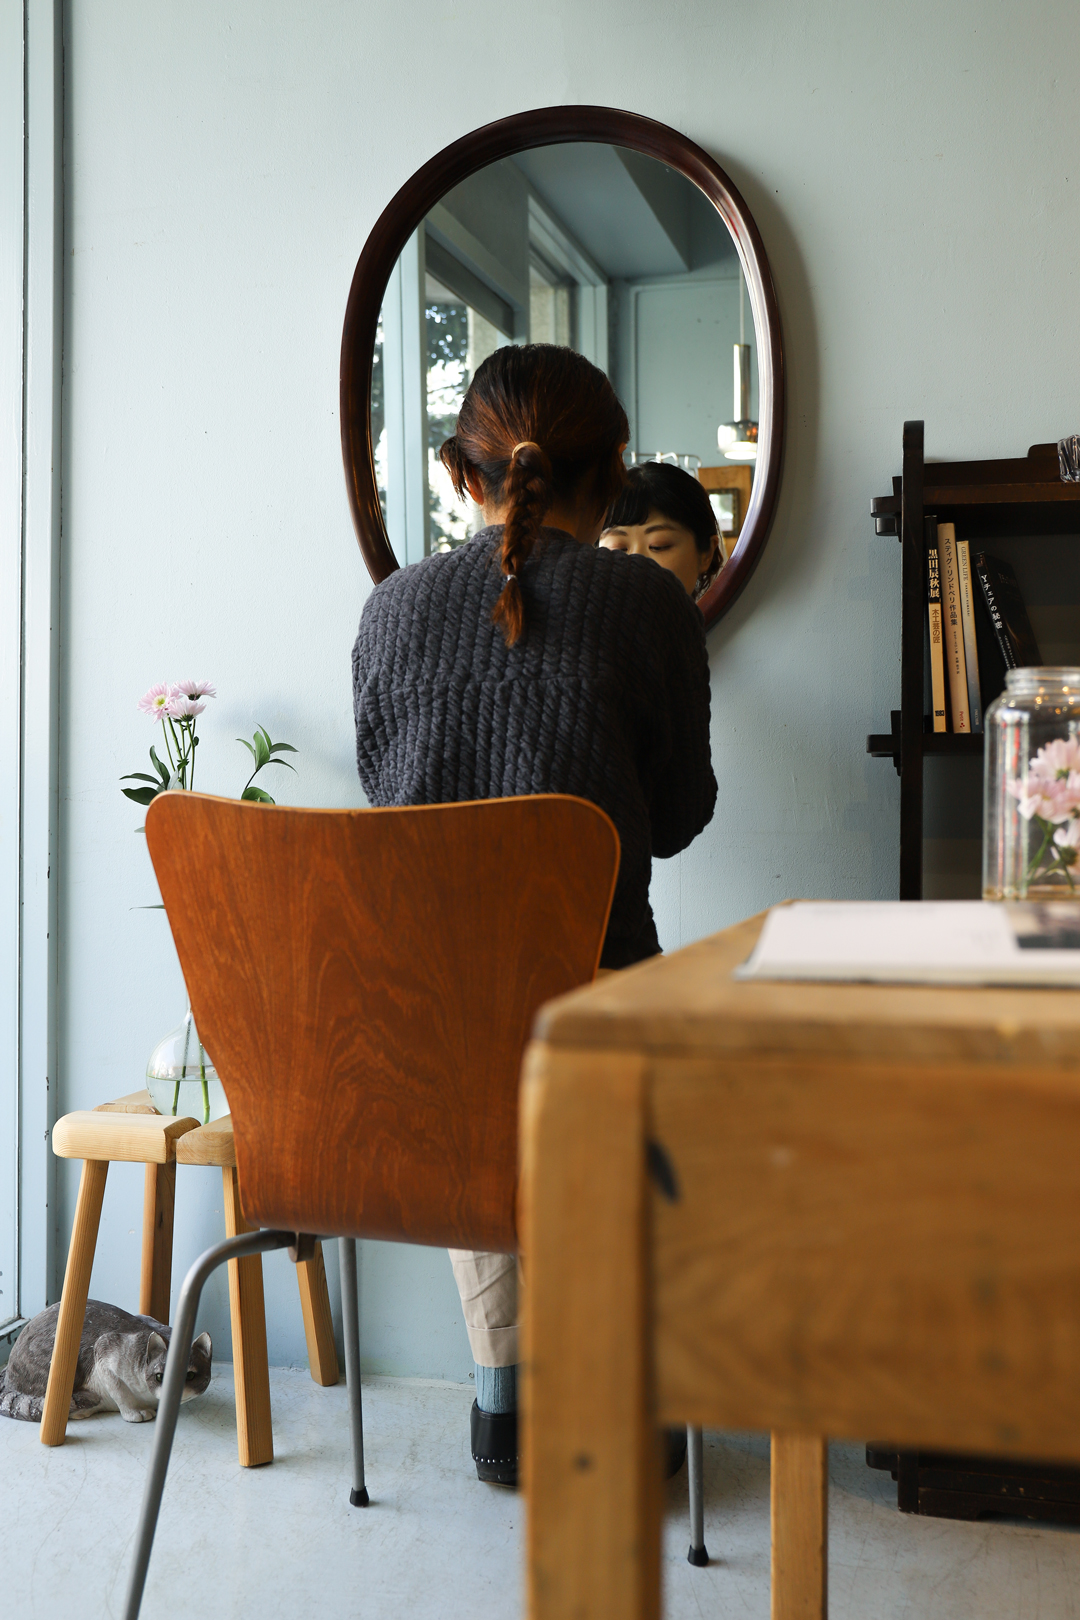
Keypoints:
(181, 1079)
(1031, 812)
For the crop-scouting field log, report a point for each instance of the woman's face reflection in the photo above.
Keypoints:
(669, 543)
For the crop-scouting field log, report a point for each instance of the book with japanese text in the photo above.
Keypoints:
(1005, 604)
(953, 629)
(933, 617)
(967, 618)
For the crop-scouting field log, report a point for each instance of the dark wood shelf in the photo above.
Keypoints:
(1015, 497)
(886, 744)
(1021, 499)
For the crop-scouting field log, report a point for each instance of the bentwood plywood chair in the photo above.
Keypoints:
(366, 981)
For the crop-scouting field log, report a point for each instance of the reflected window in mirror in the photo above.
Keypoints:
(581, 244)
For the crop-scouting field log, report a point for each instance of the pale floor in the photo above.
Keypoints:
(283, 1541)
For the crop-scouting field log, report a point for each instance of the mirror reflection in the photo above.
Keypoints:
(597, 248)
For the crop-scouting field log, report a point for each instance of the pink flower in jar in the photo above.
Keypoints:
(1057, 760)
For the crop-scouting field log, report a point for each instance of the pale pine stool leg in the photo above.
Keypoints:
(80, 1263)
(800, 1526)
(318, 1323)
(251, 1372)
(591, 1452)
(159, 1202)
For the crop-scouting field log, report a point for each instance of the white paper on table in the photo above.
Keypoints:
(920, 942)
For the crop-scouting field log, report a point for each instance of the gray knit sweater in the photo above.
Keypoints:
(605, 695)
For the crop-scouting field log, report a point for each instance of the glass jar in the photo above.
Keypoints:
(1031, 812)
(181, 1079)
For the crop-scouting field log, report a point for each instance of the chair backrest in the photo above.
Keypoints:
(365, 982)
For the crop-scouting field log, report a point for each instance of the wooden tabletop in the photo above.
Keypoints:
(690, 1002)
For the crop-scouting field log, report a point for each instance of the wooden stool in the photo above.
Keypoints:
(131, 1130)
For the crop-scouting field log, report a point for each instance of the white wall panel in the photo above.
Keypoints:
(914, 177)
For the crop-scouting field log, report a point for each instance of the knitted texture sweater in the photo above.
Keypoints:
(605, 695)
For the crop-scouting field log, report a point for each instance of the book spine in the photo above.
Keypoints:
(967, 619)
(953, 629)
(993, 607)
(937, 655)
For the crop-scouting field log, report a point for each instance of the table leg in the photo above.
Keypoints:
(800, 1526)
(159, 1202)
(69, 1326)
(591, 1445)
(254, 1428)
(318, 1323)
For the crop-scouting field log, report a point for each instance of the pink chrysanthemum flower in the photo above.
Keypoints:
(159, 699)
(185, 708)
(1056, 760)
(196, 689)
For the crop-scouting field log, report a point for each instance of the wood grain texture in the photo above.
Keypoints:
(871, 1224)
(136, 1102)
(251, 1372)
(869, 1249)
(318, 1322)
(134, 1138)
(591, 1468)
(73, 1299)
(547, 126)
(730, 478)
(366, 982)
(799, 1494)
(213, 1144)
(689, 1002)
(155, 1275)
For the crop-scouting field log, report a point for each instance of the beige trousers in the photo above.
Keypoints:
(488, 1285)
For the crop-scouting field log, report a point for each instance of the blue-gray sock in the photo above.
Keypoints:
(496, 1389)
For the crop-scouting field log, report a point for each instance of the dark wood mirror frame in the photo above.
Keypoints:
(550, 126)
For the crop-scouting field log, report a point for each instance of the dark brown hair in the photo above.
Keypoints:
(538, 424)
(658, 486)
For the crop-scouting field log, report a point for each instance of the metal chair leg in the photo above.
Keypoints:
(172, 1390)
(694, 1458)
(350, 1321)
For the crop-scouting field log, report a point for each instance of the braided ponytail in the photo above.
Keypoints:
(537, 421)
(529, 490)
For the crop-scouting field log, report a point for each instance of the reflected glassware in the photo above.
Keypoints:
(181, 1078)
(1031, 816)
(1069, 459)
(673, 458)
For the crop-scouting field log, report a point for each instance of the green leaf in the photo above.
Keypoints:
(262, 748)
(162, 770)
(146, 908)
(256, 796)
(139, 776)
(286, 764)
(145, 795)
(249, 748)
(282, 748)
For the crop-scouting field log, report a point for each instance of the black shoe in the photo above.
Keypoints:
(674, 1451)
(495, 1446)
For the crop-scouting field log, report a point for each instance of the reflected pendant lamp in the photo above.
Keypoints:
(739, 439)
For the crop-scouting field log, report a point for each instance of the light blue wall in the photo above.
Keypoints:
(914, 176)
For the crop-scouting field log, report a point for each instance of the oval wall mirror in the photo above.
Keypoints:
(576, 225)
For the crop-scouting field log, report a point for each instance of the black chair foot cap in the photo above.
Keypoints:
(359, 1498)
(698, 1557)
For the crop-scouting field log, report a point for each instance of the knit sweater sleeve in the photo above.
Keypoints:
(684, 788)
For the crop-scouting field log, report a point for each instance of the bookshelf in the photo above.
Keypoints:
(1022, 506)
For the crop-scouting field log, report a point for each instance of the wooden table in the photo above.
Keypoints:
(848, 1211)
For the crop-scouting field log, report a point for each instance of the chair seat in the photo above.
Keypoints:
(134, 1138)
